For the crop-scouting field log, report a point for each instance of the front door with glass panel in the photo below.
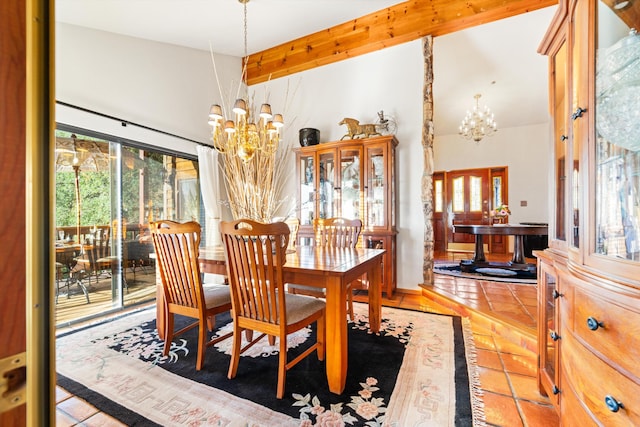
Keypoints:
(468, 195)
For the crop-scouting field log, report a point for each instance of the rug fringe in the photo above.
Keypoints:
(477, 403)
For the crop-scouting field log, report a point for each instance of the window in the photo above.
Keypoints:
(438, 196)
(458, 194)
(107, 193)
(475, 198)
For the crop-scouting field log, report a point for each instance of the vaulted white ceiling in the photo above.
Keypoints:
(498, 59)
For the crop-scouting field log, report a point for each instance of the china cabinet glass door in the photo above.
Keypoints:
(375, 191)
(327, 186)
(307, 189)
(560, 141)
(549, 338)
(350, 178)
(617, 139)
(579, 102)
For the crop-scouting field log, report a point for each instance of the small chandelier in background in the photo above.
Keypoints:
(478, 123)
(243, 133)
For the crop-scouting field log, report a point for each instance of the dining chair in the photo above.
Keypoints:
(177, 248)
(96, 256)
(334, 232)
(255, 255)
(68, 271)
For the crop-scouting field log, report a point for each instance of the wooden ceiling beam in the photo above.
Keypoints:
(388, 27)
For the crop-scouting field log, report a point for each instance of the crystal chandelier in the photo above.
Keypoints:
(243, 133)
(478, 123)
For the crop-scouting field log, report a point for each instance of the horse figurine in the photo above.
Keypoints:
(354, 128)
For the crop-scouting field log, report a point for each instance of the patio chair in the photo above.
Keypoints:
(176, 246)
(255, 254)
(334, 232)
(68, 271)
(97, 258)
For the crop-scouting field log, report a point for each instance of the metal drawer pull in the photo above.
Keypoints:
(593, 324)
(612, 404)
(556, 294)
(554, 335)
(555, 389)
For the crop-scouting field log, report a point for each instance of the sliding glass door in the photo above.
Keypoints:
(107, 193)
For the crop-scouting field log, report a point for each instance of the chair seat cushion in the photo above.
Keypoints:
(216, 295)
(300, 307)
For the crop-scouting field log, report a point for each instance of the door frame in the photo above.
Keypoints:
(28, 336)
(442, 219)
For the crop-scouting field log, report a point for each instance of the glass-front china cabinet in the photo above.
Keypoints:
(589, 278)
(353, 179)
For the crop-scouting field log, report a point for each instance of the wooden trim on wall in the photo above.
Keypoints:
(388, 27)
(13, 69)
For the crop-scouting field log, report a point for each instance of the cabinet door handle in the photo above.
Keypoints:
(578, 113)
(563, 137)
(554, 335)
(593, 324)
(612, 404)
(555, 389)
(556, 294)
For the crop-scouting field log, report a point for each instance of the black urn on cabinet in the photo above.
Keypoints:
(309, 136)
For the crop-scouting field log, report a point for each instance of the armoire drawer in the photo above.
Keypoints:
(610, 328)
(571, 408)
(599, 386)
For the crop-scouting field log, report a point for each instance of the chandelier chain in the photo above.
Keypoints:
(246, 50)
(245, 133)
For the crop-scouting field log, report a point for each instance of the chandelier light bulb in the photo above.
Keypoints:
(265, 111)
(278, 121)
(229, 127)
(215, 112)
(240, 107)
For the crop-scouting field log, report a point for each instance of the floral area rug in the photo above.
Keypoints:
(419, 370)
(453, 269)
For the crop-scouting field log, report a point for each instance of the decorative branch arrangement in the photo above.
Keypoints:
(255, 187)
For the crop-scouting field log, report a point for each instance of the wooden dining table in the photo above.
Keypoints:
(518, 260)
(322, 267)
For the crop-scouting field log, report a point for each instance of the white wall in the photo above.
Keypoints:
(171, 88)
(162, 86)
(524, 150)
(359, 88)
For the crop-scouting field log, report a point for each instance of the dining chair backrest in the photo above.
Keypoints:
(177, 250)
(294, 226)
(102, 244)
(255, 253)
(337, 232)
